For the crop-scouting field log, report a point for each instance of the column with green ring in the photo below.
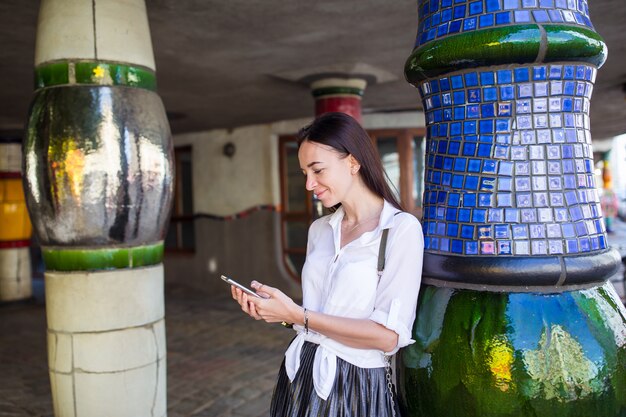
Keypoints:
(98, 180)
(515, 317)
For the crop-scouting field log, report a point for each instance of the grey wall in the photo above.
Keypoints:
(245, 248)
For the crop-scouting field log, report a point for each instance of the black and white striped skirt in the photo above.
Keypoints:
(357, 392)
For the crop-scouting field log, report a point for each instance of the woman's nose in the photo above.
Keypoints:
(310, 183)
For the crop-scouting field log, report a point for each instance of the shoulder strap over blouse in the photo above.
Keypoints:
(382, 249)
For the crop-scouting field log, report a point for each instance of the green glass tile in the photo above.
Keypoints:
(499, 46)
(517, 44)
(91, 72)
(94, 73)
(102, 259)
(569, 43)
(51, 74)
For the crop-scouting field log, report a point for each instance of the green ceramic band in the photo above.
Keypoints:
(519, 44)
(102, 259)
(327, 91)
(566, 43)
(94, 73)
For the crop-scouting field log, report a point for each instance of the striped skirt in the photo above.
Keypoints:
(357, 392)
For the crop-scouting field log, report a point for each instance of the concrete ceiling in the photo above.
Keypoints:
(218, 60)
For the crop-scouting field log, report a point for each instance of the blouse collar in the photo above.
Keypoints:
(385, 222)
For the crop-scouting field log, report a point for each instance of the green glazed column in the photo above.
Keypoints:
(515, 317)
(98, 180)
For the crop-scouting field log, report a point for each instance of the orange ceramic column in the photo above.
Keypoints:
(15, 227)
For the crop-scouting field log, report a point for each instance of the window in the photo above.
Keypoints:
(402, 154)
(180, 235)
(297, 207)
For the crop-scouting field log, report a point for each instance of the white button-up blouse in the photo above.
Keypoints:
(344, 282)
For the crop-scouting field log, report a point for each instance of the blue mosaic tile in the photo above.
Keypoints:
(457, 246)
(489, 166)
(471, 182)
(511, 215)
(507, 92)
(467, 231)
(501, 231)
(459, 12)
(444, 18)
(471, 248)
(455, 26)
(495, 215)
(485, 200)
(490, 94)
(486, 20)
(542, 156)
(474, 165)
(452, 230)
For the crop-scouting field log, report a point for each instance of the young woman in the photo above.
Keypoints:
(353, 317)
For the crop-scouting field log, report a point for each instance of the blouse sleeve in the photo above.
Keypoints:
(310, 290)
(396, 296)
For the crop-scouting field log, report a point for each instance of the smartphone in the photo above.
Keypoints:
(240, 286)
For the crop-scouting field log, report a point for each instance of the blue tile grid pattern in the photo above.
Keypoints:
(440, 18)
(509, 162)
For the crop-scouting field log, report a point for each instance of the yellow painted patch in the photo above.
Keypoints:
(500, 361)
(14, 221)
(98, 72)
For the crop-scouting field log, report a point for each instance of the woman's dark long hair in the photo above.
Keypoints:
(344, 134)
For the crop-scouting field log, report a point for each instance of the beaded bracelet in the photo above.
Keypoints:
(306, 321)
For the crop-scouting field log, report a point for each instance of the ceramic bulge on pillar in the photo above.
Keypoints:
(341, 95)
(98, 180)
(515, 317)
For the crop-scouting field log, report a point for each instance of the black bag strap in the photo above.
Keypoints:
(382, 249)
(381, 252)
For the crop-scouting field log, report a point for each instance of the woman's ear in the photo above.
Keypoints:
(354, 165)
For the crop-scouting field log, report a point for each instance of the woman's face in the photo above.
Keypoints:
(328, 174)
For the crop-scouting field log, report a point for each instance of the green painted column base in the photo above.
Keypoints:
(489, 354)
(58, 259)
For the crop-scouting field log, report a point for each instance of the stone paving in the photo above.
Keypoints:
(220, 363)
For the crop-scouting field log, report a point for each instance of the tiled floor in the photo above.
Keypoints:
(220, 363)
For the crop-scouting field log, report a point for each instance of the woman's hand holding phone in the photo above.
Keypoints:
(271, 305)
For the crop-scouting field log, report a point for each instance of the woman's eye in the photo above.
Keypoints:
(317, 171)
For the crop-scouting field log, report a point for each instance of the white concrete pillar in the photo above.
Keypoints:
(99, 182)
(106, 342)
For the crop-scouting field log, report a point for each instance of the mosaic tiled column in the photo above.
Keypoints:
(341, 95)
(15, 227)
(515, 317)
(98, 179)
